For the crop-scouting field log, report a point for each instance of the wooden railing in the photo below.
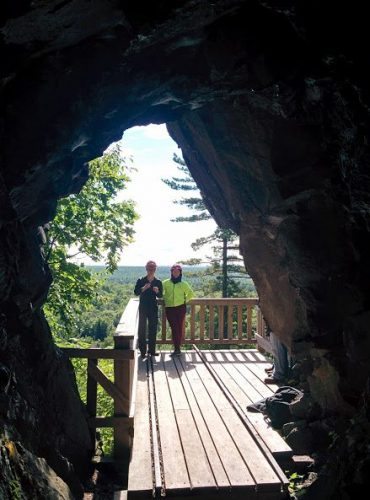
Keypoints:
(219, 321)
(211, 321)
(122, 389)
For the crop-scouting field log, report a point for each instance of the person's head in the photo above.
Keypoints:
(151, 266)
(176, 271)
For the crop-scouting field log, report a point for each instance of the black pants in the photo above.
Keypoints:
(148, 314)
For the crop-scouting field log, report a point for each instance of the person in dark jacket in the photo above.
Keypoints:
(148, 288)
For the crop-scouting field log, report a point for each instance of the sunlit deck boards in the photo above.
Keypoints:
(200, 446)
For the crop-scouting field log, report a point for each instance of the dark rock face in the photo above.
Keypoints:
(269, 102)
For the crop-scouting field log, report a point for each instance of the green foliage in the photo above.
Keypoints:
(186, 183)
(92, 223)
(294, 480)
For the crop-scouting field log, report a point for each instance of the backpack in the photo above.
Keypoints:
(277, 406)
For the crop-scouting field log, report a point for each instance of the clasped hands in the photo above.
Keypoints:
(147, 285)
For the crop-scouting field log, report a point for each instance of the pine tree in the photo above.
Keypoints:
(225, 265)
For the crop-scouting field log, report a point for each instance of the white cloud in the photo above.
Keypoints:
(153, 131)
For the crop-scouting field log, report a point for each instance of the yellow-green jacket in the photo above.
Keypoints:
(175, 294)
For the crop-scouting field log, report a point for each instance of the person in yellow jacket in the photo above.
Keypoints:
(176, 294)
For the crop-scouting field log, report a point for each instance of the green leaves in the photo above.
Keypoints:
(92, 223)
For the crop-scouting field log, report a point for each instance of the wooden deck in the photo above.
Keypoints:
(193, 436)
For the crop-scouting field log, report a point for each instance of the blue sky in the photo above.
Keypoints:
(157, 238)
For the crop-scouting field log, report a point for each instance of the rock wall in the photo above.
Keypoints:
(269, 102)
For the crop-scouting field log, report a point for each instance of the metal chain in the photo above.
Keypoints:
(160, 454)
(151, 432)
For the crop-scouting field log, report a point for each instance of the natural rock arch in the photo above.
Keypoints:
(270, 108)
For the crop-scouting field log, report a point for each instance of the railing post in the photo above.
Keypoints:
(259, 322)
(249, 322)
(211, 333)
(91, 395)
(192, 322)
(123, 382)
(201, 322)
(230, 326)
(124, 379)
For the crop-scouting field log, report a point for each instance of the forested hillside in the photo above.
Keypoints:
(127, 275)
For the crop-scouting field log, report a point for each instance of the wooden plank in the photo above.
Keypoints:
(201, 322)
(254, 354)
(192, 322)
(240, 321)
(205, 433)
(194, 396)
(127, 326)
(262, 472)
(245, 394)
(249, 322)
(230, 375)
(253, 374)
(197, 463)
(220, 322)
(211, 334)
(124, 377)
(98, 353)
(256, 376)
(283, 481)
(176, 474)
(208, 397)
(140, 469)
(230, 322)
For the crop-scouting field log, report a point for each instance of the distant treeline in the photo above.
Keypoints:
(196, 275)
(127, 275)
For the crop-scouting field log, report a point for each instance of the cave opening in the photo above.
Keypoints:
(269, 103)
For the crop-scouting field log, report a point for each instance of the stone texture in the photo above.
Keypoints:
(23, 474)
(269, 102)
